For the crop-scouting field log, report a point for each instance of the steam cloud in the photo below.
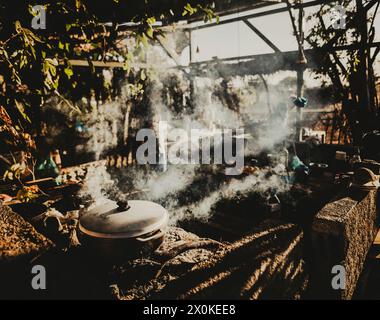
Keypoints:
(209, 112)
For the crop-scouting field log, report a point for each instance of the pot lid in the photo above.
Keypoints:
(123, 220)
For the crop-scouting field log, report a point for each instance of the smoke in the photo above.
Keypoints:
(102, 127)
(190, 102)
(261, 182)
(176, 178)
(97, 185)
(212, 111)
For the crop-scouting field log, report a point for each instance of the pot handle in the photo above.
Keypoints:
(153, 237)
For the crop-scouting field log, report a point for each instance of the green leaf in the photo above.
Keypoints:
(69, 72)
(33, 51)
(126, 66)
(56, 83)
(32, 36)
(21, 109)
(188, 9)
(151, 20)
(53, 62)
(78, 4)
(53, 70)
(18, 26)
(4, 53)
(5, 175)
(149, 33)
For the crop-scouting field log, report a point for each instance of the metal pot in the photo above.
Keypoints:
(120, 230)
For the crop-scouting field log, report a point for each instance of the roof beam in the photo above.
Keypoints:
(354, 46)
(171, 54)
(114, 64)
(261, 35)
(239, 9)
(262, 14)
(373, 59)
(102, 64)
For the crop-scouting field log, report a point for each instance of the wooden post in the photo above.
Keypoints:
(301, 60)
(190, 48)
(192, 86)
(364, 57)
(300, 71)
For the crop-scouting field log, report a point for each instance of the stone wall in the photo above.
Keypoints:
(20, 245)
(342, 234)
(18, 238)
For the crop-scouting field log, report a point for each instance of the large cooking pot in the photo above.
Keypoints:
(120, 230)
